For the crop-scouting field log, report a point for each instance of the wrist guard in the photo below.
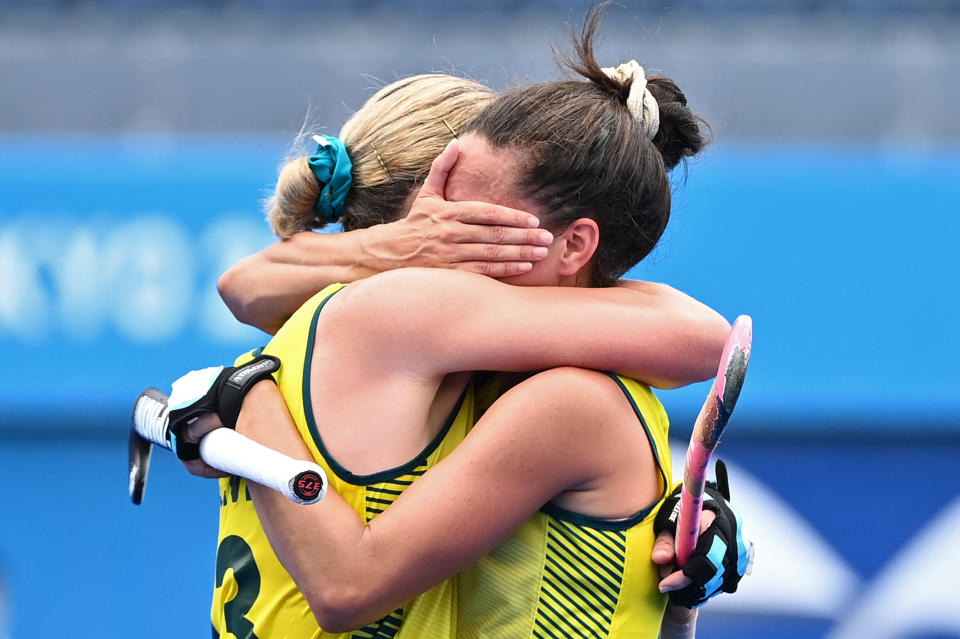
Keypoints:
(217, 390)
(722, 556)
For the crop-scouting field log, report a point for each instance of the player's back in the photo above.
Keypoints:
(255, 595)
(565, 574)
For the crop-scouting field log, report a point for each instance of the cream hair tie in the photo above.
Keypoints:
(640, 101)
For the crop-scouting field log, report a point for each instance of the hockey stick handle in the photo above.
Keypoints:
(710, 424)
(300, 481)
(691, 501)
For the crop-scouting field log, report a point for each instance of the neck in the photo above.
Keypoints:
(581, 278)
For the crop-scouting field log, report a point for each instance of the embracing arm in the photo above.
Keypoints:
(653, 334)
(352, 573)
(696, 331)
(265, 289)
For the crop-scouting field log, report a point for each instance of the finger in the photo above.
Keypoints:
(674, 581)
(495, 253)
(201, 469)
(495, 269)
(437, 178)
(479, 233)
(195, 431)
(491, 214)
(664, 552)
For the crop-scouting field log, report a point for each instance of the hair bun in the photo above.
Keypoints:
(641, 103)
(682, 132)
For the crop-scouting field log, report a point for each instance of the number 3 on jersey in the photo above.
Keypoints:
(235, 553)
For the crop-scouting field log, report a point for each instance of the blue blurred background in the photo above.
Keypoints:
(137, 140)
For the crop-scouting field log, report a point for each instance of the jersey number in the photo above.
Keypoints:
(235, 553)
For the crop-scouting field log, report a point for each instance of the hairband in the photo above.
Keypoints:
(640, 101)
(331, 166)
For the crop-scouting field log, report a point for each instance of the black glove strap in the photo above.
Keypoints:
(225, 397)
(235, 386)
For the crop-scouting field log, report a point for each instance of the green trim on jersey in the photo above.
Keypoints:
(374, 478)
(629, 522)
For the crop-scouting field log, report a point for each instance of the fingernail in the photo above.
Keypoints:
(663, 590)
(533, 221)
(540, 251)
(525, 266)
(546, 237)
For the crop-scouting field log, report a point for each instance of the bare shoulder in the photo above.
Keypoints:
(558, 382)
(650, 288)
(582, 421)
(586, 402)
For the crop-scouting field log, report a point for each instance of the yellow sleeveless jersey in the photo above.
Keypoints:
(563, 574)
(254, 596)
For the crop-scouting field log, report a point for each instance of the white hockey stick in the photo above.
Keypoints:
(300, 481)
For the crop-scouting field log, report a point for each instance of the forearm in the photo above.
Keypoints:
(326, 547)
(264, 289)
(678, 623)
(488, 325)
(321, 546)
(695, 331)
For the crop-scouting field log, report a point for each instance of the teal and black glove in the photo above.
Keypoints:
(722, 556)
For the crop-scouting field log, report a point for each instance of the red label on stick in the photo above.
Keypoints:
(308, 485)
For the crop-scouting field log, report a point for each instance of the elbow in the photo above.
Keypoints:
(229, 287)
(237, 290)
(349, 595)
(340, 607)
(713, 336)
(670, 384)
(697, 358)
(716, 333)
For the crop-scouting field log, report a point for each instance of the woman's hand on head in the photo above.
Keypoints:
(479, 237)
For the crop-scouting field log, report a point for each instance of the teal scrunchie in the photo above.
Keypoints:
(331, 165)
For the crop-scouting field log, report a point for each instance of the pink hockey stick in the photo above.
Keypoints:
(707, 430)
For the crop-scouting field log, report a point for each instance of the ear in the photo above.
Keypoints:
(580, 241)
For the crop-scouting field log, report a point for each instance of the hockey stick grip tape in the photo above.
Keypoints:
(691, 501)
(300, 481)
